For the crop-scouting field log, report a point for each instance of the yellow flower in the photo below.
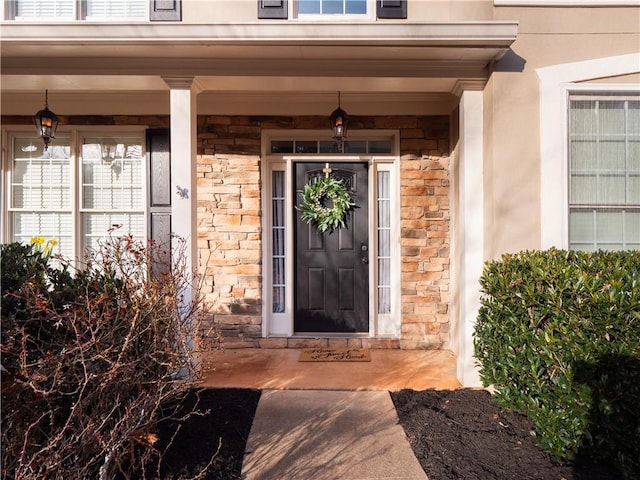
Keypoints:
(53, 242)
(37, 240)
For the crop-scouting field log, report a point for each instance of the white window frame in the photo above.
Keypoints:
(331, 17)
(84, 211)
(11, 13)
(281, 324)
(556, 83)
(7, 180)
(75, 135)
(591, 94)
(143, 18)
(79, 13)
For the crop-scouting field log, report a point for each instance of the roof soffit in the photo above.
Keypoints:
(380, 59)
(497, 33)
(368, 49)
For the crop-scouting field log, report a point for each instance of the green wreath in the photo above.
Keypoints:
(315, 197)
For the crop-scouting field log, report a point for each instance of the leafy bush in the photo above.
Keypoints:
(91, 356)
(558, 336)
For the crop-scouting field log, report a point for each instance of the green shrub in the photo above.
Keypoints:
(91, 356)
(558, 336)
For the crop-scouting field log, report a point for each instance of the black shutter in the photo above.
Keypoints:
(10, 9)
(392, 8)
(165, 10)
(159, 181)
(272, 9)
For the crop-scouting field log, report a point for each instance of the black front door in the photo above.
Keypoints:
(332, 269)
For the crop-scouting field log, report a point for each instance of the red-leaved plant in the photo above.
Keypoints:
(92, 357)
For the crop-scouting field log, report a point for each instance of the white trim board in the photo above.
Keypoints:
(556, 82)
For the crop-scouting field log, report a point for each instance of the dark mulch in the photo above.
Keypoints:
(455, 434)
(220, 423)
(462, 434)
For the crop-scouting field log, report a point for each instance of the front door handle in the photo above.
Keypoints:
(364, 248)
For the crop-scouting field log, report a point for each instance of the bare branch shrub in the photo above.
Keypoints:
(93, 356)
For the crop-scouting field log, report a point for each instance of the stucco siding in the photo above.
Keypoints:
(546, 37)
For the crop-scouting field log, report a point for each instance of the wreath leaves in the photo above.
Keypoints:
(315, 197)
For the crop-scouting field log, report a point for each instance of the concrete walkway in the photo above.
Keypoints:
(328, 435)
(329, 421)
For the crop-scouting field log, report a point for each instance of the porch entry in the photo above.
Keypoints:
(342, 283)
(332, 269)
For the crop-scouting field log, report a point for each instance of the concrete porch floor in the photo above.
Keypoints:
(279, 369)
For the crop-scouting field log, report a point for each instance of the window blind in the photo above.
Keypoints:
(117, 8)
(41, 192)
(45, 9)
(604, 153)
(278, 245)
(384, 242)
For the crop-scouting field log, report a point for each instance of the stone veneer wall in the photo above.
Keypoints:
(229, 236)
(229, 222)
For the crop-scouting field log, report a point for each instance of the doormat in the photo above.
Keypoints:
(335, 355)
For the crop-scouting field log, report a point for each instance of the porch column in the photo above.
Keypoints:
(183, 166)
(471, 231)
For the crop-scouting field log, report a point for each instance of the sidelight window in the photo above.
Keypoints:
(278, 241)
(384, 241)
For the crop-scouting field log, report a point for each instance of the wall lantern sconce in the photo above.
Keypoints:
(46, 121)
(339, 121)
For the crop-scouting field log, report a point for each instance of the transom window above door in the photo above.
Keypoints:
(330, 146)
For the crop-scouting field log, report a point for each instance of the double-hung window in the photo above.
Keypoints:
(604, 172)
(93, 10)
(112, 187)
(348, 10)
(77, 190)
(41, 191)
(44, 10)
(332, 7)
(117, 9)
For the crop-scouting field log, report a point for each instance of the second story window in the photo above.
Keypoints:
(332, 7)
(93, 10)
(110, 9)
(45, 10)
